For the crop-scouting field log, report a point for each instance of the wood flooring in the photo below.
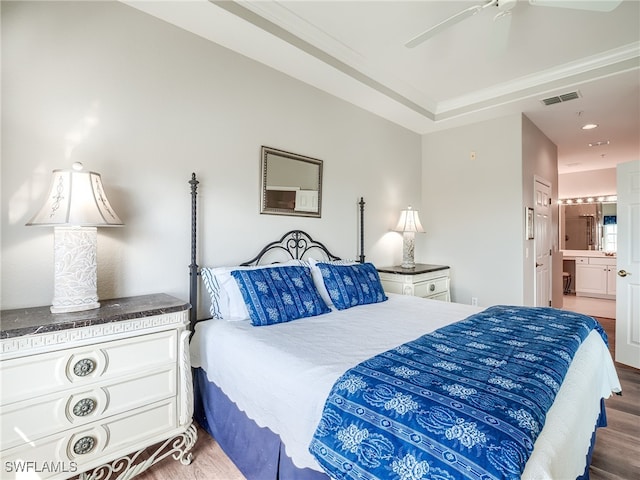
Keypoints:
(209, 463)
(617, 452)
(616, 455)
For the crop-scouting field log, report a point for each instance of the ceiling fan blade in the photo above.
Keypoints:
(458, 17)
(592, 5)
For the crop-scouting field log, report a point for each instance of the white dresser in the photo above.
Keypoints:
(428, 281)
(83, 390)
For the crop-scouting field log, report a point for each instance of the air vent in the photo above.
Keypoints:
(565, 97)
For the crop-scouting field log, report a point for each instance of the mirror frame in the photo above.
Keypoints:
(267, 156)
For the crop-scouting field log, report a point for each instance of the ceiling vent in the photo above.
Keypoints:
(565, 97)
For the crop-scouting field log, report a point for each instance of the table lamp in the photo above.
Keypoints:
(408, 224)
(75, 206)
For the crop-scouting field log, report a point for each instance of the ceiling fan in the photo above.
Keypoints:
(505, 7)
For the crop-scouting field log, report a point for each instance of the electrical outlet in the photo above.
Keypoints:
(474, 301)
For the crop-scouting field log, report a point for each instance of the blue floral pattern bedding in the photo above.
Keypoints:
(465, 401)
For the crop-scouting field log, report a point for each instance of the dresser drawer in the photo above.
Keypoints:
(88, 446)
(53, 372)
(443, 297)
(602, 261)
(64, 411)
(417, 278)
(425, 277)
(430, 288)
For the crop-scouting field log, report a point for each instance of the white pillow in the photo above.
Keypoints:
(318, 281)
(226, 300)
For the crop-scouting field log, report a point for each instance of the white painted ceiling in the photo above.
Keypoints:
(475, 70)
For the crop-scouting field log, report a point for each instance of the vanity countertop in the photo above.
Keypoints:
(585, 253)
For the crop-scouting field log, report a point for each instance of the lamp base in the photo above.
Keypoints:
(75, 269)
(408, 248)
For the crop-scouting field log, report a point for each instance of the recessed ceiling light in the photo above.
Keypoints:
(599, 143)
(590, 126)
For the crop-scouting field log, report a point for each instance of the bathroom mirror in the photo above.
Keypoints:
(588, 226)
(291, 184)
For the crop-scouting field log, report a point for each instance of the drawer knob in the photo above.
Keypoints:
(84, 407)
(432, 287)
(84, 367)
(84, 445)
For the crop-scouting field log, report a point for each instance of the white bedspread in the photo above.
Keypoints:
(280, 375)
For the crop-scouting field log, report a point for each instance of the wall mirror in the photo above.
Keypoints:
(291, 184)
(588, 225)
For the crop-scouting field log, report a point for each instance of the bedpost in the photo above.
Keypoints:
(361, 205)
(193, 268)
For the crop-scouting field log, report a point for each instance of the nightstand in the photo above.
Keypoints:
(428, 281)
(81, 391)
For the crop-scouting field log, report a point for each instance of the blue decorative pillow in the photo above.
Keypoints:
(277, 295)
(351, 285)
(226, 300)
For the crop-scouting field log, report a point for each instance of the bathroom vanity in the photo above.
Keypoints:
(593, 273)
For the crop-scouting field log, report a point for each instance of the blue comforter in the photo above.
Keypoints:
(465, 401)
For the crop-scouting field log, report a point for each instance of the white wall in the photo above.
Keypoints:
(472, 210)
(145, 104)
(588, 183)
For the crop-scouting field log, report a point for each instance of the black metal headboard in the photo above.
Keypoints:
(294, 244)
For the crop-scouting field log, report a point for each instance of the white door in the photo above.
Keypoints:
(542, 240)
(628, 284)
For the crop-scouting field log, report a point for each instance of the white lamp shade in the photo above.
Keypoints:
(76, 198)
(409, 221)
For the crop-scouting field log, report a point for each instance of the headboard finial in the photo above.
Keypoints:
(194, 183)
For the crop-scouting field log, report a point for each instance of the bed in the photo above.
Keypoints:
(308, 370)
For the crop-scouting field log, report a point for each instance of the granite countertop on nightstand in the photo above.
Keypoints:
(28, 321)
(418, 269)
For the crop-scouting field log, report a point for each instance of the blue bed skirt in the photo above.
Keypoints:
(258, 452)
